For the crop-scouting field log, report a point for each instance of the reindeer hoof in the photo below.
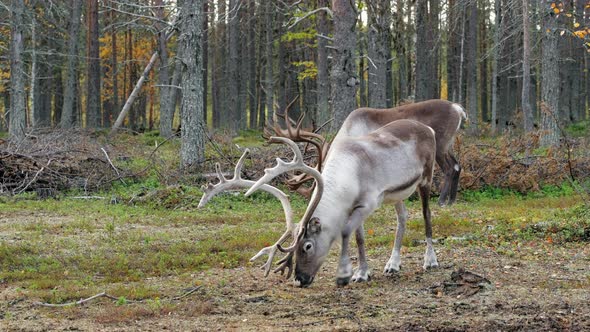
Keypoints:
(391, 272)
(430, 266)
(341, 282)
(392, 267)
(361, 276)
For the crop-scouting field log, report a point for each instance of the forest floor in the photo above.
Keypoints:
(172, 267)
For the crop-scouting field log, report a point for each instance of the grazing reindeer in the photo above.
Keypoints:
(359, 173)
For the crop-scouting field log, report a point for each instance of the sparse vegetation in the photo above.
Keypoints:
(142, 239)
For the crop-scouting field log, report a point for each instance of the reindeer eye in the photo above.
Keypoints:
(307, 247)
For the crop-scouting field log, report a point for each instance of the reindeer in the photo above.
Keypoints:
(359, 173)
(443, 116)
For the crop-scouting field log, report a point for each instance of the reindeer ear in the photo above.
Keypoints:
(314, 225)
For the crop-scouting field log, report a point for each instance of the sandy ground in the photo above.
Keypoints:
(535, 290)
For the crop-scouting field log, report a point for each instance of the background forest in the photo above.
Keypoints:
(513, 64)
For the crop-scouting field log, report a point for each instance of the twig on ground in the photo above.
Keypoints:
(69, 304)
(187, 293)
(88, 197)
(113, 166)
(111, 297)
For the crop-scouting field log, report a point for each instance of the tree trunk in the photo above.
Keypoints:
(252, 101)
(363, 91)
(435, 44)
(134, 94)
(484, 61)
(401, 52)
(379, 51)
(471, 67)
(323, 85)
(261, 63)
(565, 64)
(175, 92)
(579, 72)
(550, 69)
(193, 130)
(282, 62)
(426, 50)
(205, 14)
(269, 79)
(453, 50)
(69, 106)
(17, 126)
(233, 75)
(526, 70)
(58, 95)
(133, 77)
(164, 75)
(243, 65)
(34, 90)
(423, 66)
(218, 74)
(343, 75)
(115, 68)
(93, 116)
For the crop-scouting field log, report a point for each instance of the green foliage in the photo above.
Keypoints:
(579, 129)
(488, 193)
(249, 138)
(572, 225)
(565, 189)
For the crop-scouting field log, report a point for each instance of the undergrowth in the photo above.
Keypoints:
(147, 225)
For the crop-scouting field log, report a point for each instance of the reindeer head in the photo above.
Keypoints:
(311, 251)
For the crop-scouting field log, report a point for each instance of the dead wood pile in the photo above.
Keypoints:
(520, 164)
(51, 161)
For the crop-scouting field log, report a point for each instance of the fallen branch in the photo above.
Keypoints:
(69, 304)
(88, 197)
(187, 293)
(34, 177)
(111, 163)
(111, 297)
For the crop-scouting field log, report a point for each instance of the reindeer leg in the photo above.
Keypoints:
(454, 179)
(446, 168)
(429, 256)
(362, 273)
(355, 221)
(394, 263)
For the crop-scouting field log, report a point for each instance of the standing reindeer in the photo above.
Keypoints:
(388, 163)
(443, 116)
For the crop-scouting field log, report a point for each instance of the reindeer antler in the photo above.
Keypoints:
(238, 183)
(296, 164)
(297, 134)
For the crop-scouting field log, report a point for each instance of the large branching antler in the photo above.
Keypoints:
(296, 164)
(238, 183)
(298, 134)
